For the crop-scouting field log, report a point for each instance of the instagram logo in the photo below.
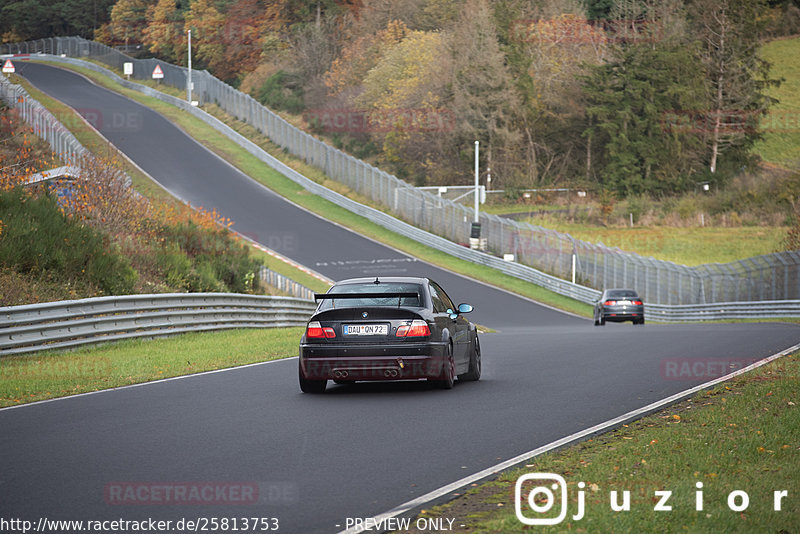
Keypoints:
(541, 498)
(538, 500)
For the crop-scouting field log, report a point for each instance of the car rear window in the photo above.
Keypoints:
(623, 294)
(387, 301)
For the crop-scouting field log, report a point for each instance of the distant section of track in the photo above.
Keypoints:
(194, 174)
(358, 450)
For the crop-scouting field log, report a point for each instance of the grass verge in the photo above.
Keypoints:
(253, 167)
(739, 436)
(50, 374)
(683, 245)
(781, 142)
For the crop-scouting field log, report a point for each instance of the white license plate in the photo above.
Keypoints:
(624, 302)
(366, 329)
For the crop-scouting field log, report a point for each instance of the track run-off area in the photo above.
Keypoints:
(312, 461)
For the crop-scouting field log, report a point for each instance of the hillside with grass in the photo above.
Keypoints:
(780, 145)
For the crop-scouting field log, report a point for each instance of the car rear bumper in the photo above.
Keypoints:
(382, 362)
(628, 313)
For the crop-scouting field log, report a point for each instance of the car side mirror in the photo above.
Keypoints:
(465, 308)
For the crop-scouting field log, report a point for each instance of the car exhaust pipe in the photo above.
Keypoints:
(391, 373)
(340, 374)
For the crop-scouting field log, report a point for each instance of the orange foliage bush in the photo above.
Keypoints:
(21, 153)
(170, 246)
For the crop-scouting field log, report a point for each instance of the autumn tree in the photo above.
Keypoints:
(401, 76)
(127, 24)
(164, 34)
(245, 23)
(550, 47)
(207, 25)
(375, 15)
(314, 48)
(359, 55)
(729, 32)
(404, 95)
(484, 97)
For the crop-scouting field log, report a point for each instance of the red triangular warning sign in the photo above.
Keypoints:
(157, 72)
(8, 67)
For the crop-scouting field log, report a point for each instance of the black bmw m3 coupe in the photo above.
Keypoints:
(393, 328)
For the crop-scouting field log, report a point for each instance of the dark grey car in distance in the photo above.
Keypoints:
(618, 305)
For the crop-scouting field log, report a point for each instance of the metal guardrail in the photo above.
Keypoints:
(773, 276)
(722, 311)
(285, 284)
(67, 324)
(71, 323)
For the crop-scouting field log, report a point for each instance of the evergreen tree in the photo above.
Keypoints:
(729, 32)
(631, 101)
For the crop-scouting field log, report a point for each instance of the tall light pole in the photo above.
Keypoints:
(189, 79)
(477, 185)
(475, 230)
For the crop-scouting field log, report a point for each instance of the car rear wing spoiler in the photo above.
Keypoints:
(397, 295)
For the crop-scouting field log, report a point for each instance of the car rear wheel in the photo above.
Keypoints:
(448, 375)
(474, 371)
(312, 386)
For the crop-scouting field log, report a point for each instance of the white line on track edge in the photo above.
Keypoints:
(444, 490)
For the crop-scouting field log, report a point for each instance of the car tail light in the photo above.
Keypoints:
(610, 303)
(417, 328)
(637, 302)
(316, 331)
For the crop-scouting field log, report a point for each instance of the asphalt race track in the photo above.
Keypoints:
(359, 450)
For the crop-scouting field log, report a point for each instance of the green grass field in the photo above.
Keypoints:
(781, 143)
(684, 245)
(50, 374)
